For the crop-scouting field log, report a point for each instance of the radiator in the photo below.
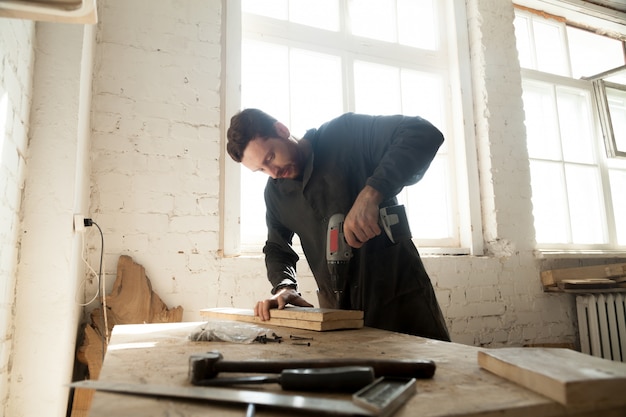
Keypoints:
(602, 325)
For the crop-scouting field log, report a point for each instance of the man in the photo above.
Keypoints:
(351, 165)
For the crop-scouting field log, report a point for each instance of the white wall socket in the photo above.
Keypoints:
(79, 223)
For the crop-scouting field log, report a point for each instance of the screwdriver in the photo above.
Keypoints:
(335, 379)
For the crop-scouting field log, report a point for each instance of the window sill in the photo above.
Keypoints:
(579, 254)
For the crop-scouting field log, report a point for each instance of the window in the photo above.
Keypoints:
(611, 99)
(308, 61)
(578, 197)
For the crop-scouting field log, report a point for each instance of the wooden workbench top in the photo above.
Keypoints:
(159, 354)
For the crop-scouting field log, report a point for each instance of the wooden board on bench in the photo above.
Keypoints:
(564, 375)
(318, 319)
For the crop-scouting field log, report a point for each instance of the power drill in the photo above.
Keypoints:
(338, 254)
(393, 221)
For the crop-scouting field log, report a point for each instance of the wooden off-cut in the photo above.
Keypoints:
(566, 376)
(306, 318)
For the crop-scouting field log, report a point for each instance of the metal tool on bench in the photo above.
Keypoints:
(381, 398)
(208, 365)
(335, 379)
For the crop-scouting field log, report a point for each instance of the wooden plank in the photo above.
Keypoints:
(588, 284)
(552, 277)
(593, 291)
(564, 375)
(316, 314)
(298, 313)
(316, 319)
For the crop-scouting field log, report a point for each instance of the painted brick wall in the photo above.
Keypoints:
(16, 68)
(156, 144)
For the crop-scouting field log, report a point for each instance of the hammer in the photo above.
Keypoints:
(207, 365)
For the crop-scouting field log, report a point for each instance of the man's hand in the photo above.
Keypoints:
(279, 300)
(361, 223)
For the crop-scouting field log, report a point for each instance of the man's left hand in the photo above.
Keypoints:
(279, 300)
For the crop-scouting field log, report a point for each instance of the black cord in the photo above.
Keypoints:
(89, 222)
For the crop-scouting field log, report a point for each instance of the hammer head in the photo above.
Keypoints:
(203, 366)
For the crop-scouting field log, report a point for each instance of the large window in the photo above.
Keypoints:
(578, 184)
(308, 61)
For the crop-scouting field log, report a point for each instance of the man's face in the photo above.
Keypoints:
(278, 157)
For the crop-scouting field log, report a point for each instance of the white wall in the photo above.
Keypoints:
(16, 66)
(151, 160)
(45, 170)
(46, 308)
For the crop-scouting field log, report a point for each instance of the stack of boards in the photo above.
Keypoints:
(567, 376)
(305, 318)
(598, 278)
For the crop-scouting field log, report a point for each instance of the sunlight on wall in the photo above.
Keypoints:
(3, 120)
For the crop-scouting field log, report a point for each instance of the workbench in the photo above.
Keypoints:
(159, 354)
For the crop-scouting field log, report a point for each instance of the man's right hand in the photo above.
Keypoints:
(279, 300)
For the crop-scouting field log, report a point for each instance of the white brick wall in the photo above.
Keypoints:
(16, 66)
(156, 144)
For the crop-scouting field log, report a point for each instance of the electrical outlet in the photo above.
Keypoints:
(79, 223)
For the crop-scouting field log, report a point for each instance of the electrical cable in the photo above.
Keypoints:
(84, 281)
(101, 286)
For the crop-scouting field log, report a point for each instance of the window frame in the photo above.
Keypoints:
(466, 171)
(600, 147)
(604, 113)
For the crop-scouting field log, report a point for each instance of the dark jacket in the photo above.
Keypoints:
(387, 281)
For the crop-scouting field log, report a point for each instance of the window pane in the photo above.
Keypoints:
(542, 129)
(252, 219)
(577, 137)
(264, 69)
(315, 79)
(618, 187)
(277, 9)
(592, 54)
(417, 24)
(549, 48)
(617, 109)
(429, 203)
(322, 14)
(407, 22)
(284, 83)
(375, 19)
(523, 42)
(586, 209)
(549, 202)
(422, 95)
(376, 88)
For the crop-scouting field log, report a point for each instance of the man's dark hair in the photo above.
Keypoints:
(245, 126)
